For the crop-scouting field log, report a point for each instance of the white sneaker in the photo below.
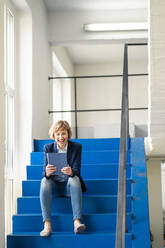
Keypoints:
(47, 229)
(45, 232)
(78, 228)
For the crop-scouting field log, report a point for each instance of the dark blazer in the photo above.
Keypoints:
(73, 158)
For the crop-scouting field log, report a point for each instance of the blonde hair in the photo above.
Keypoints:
(64, 125)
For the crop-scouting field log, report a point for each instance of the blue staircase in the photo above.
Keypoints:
(100, 159)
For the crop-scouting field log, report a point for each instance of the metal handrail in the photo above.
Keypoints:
(121, 226)
(98, 76)
(93, 110)
(76, 110)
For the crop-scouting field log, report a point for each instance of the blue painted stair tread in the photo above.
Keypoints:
(64, 222)
(88, 171)
(66, 240)
(100, 159)
(94, 186)
(88, 144)
(88, 157)
(91, 204)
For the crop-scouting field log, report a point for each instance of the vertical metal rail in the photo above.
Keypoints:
(75, 102)
(121, 226)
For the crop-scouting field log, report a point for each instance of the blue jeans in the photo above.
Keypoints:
(72, 188)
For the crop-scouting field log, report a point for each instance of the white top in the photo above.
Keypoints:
(59, 150)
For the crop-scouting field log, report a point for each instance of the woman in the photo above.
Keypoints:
(67, 182)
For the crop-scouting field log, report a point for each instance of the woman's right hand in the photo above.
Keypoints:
(50, 169)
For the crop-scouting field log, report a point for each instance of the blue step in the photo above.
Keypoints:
(94, 187)
(100, 159)
(87, 144)
(66, 240)
(64, 223)
(88, 157)
(91, 204)
(88, 171)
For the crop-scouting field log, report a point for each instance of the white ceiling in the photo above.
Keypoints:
(106, 53)
(91, 54)
(20, 4)
(96, 53)
(85, 5)
(99, 53)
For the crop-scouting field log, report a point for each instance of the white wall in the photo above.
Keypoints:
(155, 201)
(157, 74)
(32, 87)
(100, 93)
(64, 60)
(156, 123)
(61, 91)
(163, 185)
(41, 64)
(163, 191)
(67, 27)
(23, 98)
(2, 128)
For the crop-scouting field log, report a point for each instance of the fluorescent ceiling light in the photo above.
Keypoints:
(130, 26)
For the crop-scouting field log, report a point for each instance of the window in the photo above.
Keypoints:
(9, 49)
(9, 86)
(9, 117)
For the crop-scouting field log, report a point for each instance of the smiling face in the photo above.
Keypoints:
(61, 137)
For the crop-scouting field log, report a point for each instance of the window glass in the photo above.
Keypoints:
(9, 49)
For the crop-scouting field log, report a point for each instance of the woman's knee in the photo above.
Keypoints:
(74, 182)
(46, 184)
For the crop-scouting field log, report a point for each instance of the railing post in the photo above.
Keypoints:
(121, 226)
(125, 84)
(75, 102)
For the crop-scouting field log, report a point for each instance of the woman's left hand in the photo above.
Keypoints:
(67, 170)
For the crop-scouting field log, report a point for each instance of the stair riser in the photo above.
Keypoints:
(80, 241)
(87, 144)
(94, 187)
(63, 205)
(99, 215)
(37, 158)
(64, 223)
(87, 171)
